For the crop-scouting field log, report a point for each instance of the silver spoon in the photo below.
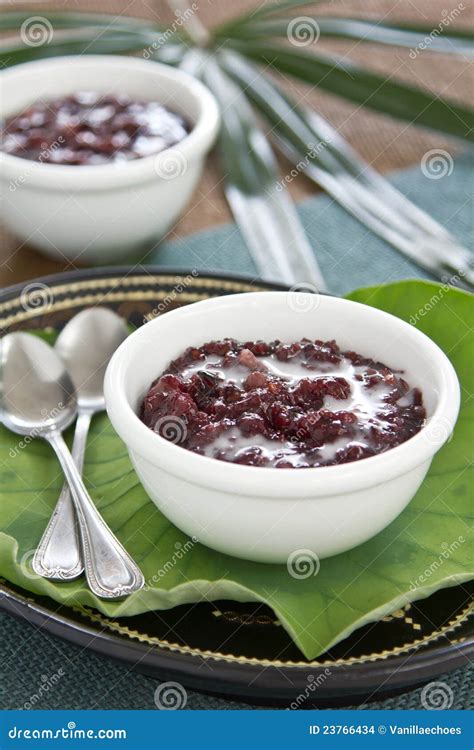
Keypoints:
(38, 399)
(85, 345)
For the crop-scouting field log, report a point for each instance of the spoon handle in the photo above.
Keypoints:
(58, 555)
(110, 571)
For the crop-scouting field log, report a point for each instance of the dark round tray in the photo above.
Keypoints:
(225, 647)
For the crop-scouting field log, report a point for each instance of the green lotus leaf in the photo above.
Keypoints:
(425, 549)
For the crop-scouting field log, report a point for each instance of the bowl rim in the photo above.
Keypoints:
(264, 481)
(191, 147)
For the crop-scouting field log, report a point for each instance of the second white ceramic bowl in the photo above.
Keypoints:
(100, 213)
(267, 514)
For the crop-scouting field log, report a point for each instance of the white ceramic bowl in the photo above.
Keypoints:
(99, 213)
(266, 514)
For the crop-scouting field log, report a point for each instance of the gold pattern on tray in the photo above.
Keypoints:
(246, 619)
(97, 296)
(123, 630)
(403, 613)
(115, 627)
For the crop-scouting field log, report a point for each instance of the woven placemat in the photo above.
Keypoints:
(80, 679)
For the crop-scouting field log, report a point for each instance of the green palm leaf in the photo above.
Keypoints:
(265, 215)
(262, 11)
(454, 41)
(77, 44)
(316, 148)
(366, 88)
(80, 40)
(252, 172)
(13, 20)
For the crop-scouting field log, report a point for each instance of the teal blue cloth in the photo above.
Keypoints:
(349, 257)
(87, 681)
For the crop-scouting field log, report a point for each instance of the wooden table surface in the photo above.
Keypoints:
(385, 143)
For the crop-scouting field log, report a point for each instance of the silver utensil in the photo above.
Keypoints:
(38, 399)
(85, 345)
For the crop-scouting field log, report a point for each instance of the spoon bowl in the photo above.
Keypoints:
(36, 392)
(86, 345)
